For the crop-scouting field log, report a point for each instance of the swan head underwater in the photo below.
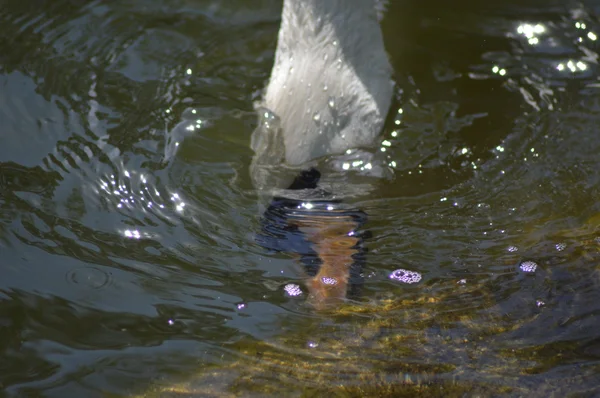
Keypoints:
(330, 88)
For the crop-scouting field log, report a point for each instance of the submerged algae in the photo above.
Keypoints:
(446, 338)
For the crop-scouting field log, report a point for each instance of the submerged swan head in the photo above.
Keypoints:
(330, 88)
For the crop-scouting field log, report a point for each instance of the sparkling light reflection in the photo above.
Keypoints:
(531, 32)
(577, 66)
(127, 196)
(497, 70)
(573, 66)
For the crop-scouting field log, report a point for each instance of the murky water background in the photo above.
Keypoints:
(127, 217)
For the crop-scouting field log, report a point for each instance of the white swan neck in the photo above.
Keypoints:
(331, 81)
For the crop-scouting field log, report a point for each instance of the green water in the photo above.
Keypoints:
(129, 265)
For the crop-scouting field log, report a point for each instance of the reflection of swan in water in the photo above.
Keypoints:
(329, 91)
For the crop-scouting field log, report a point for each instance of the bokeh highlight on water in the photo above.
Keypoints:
(128, 217)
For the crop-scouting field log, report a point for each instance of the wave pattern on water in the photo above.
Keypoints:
(128, 222)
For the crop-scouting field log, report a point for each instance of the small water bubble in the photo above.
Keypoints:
(462, 282)
(405, 276)
(329, 281)
(317, 117)
(331, 103)
(561, 246)
(512, 249)
(312, 344)
(292, 290)
(325, 87)
(528, 266)
(241, 306)
(307, 205)
(171, 322)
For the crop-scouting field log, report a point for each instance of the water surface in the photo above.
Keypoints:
(129, 263)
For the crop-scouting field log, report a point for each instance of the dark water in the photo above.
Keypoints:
(128, 261)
